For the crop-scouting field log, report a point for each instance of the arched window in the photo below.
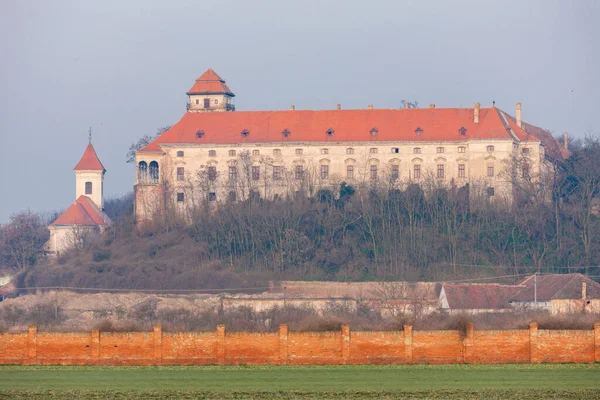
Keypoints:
(142, 170)
(88, 188)
(154, 171)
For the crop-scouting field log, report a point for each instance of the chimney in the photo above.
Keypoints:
(519, 123)
(566, 141)
(583, 290)
(476, 113)
(339, 107)
(292, 107)
(432, 106)
(370, 107)
(406, 105)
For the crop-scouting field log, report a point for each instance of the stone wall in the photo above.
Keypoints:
(284, 347)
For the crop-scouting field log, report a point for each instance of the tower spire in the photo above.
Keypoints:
(90, 135)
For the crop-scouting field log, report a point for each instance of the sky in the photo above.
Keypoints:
(123, 67)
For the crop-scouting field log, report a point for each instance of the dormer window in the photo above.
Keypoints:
(199, 134)
(374, 132)
(330, 132)
(462, 131)
(286, 132)
(419, 131)
(245, 132)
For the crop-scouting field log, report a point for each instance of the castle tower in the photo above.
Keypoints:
(209, 94)
(89, 176)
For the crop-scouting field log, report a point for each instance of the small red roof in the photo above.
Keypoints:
(210, 82)
(437, 124)
(492, 296)
(83, 212)
(89, 161)
(556, 286)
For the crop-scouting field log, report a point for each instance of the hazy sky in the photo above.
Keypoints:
(123, 67)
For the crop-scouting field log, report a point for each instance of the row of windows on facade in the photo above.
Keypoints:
(232, 195)
(278, 172)
(349, 150)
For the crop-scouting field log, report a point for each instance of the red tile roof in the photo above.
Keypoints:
(210, 82)
(348, 126)
(83, 212)
(557, 286)
(492, 296)
(89, 161)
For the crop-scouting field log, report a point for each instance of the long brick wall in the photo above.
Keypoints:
(343, 347)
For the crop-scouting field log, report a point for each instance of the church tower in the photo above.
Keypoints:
(210, 94)
(89, 176)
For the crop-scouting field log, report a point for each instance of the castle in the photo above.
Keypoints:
(84, 217)
(216, 154)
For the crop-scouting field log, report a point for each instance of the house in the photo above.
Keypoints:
(477, 297)
(84, 217)
(217, 154)
(558, 293)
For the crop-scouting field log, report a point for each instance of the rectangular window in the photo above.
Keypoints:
(525, 171)
(462, 149)
(490, 191)
(461, 170)
(373, 150)
(324, 171)
(299, 172)
(212, 196)
(373, 172)
(180, 196)
(255, 172)
(232, 174)
(298, 152)
(180, 153)
(395, 172)
(206, 103)
(440, 170)
(277, 152)
(525, 150)
(232, 196)
(88, 188)
(212, 153)
(350, 171)
(231, 153)
(490, 149)
(324, 151)
(180, 173)
(417, 150)
(256, 152)
(349, 150)
(212, 173)
(395, 150)
(440, 150)
(490, 171)
(277, 173)
(417, 172)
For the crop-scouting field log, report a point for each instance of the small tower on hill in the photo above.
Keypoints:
(209, 94)
(89, 176)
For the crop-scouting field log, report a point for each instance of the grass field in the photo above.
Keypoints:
(580, 381)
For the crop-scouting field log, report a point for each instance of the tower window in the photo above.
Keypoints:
(525, 150)
(88, 188)
(180, 196)
(180, 153)
(206, 103)
(154, 171)
(180, 173)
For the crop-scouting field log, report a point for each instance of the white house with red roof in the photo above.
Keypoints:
(85, 216)
(217, 154)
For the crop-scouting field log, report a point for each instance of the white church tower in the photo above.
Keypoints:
(89, 176)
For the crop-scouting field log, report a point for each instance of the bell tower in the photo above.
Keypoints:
(210, 94)
(89, 176)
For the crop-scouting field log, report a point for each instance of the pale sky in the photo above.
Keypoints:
(123, 67)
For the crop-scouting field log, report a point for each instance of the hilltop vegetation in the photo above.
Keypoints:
(346, 234)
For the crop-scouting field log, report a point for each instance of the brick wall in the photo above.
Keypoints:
(342, 347)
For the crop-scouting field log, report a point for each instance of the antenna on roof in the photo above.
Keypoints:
(90, 135)
(493, 103)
